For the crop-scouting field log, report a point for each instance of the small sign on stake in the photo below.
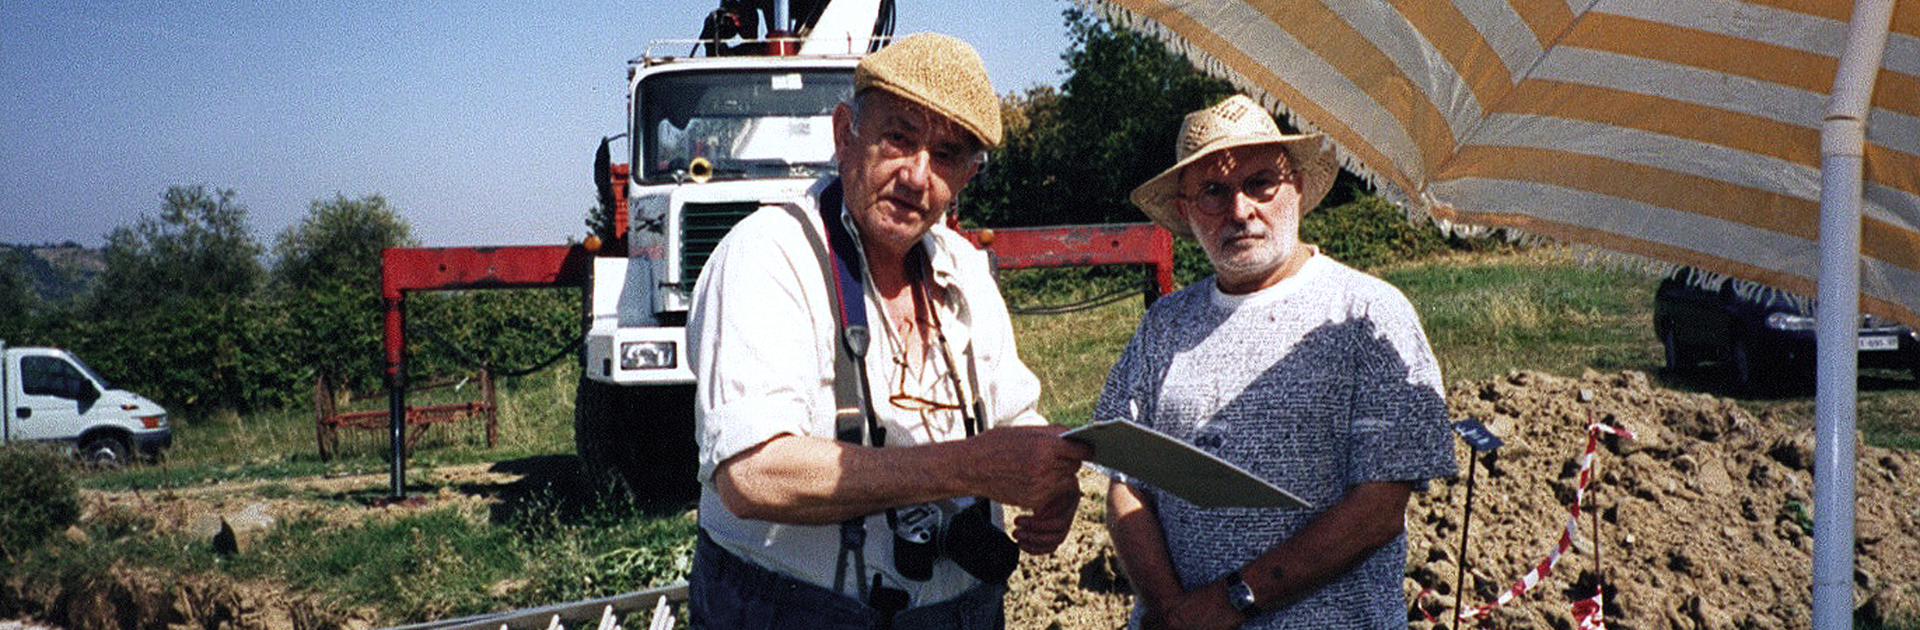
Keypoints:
(1477, 435)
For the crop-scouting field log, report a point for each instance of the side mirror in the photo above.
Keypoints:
(86, 393)
(603, 172)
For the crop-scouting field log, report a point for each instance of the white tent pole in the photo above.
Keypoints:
(1842, 138)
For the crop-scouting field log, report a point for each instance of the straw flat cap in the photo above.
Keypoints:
(1236, 122)
(938, 72)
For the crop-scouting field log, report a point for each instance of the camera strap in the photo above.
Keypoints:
(854, 420)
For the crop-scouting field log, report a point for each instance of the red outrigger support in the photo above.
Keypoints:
(1081, 246)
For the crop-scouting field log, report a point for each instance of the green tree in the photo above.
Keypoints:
(327, 276)
(198, 248)
(18, 301)
(1111, 127)
(174, 314)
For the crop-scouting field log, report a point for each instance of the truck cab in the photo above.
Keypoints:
(711, 140)
(51, 396)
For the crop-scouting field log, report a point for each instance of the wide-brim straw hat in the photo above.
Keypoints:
(940, 73)
(1236, 122)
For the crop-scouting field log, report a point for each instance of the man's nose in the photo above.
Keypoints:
(916, 169)
(1244, 206)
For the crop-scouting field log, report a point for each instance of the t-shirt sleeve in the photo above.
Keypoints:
(1400, 411)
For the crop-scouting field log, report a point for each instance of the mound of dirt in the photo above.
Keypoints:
(1702, 519)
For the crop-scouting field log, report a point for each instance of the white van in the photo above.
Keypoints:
(49, 396)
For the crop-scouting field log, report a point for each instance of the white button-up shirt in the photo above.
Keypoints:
(760, 341)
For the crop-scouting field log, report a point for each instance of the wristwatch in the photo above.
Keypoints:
(1241, 596)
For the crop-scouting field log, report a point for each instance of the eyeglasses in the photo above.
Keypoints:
(914, 402)
(1215, 197)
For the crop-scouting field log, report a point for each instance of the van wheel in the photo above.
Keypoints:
(106, 450)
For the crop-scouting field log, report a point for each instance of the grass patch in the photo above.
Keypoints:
(447, 562)
(431, 565)
(1535, 310)
(1071, 354)
(535, 417)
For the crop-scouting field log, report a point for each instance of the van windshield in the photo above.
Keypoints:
(92, 374)
(747, 124)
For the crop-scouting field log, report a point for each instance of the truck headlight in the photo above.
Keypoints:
(1789, 321)
(648, 355)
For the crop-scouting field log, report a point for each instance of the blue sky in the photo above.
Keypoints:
(476, 120)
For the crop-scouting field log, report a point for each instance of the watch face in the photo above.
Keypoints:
(1242, 596)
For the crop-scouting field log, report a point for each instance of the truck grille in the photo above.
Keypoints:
(702, 225)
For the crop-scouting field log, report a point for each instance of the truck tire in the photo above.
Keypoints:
(1753, 367)
(1677, 358)
(106, 449)
(638, 440)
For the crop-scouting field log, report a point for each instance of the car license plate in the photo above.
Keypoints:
(1879, 343)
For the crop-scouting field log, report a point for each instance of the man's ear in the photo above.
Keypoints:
(842, 127)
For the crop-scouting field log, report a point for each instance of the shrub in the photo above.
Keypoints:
(39, 497)
(1370, 232)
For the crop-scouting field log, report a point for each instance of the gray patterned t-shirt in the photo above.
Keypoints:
(1318, 383)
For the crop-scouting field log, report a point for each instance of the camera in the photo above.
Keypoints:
(961, 530)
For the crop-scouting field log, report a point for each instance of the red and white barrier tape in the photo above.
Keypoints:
(1545, 568)
(1587, 615)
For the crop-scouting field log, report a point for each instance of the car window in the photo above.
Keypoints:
(50, 376)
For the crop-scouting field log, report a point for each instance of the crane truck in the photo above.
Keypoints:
(739, 121)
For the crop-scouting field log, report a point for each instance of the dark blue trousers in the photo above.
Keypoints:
(728, 593)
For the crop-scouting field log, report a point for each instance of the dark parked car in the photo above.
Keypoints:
(1765, 336)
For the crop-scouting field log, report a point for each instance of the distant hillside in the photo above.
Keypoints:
(60, 272)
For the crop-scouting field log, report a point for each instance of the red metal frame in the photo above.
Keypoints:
(407, 269)
(1080, 246)
(404, 269)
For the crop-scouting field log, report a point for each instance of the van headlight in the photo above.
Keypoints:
(649, 355)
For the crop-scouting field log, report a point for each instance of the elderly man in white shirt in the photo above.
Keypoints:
(801, 528)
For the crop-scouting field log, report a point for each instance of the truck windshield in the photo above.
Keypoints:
(747, 124)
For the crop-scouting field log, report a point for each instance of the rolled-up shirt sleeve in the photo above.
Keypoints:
(754, 335)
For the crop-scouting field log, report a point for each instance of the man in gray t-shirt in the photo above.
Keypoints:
(1310, 374)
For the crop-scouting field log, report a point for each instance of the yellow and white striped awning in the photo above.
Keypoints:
(1685, 131)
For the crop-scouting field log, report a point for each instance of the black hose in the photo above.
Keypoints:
(468, 360)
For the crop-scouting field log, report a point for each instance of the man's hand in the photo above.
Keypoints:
(1042, 531)
(1031, 467)
(1204, 608)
